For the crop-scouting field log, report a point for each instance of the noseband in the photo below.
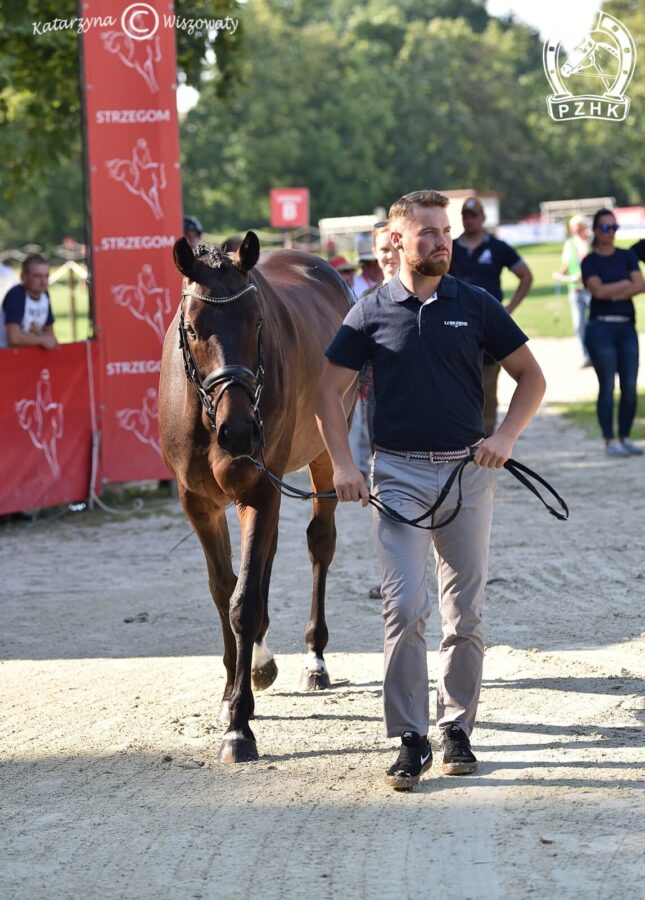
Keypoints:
(224, 376)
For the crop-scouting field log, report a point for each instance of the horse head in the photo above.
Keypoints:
(220, 327)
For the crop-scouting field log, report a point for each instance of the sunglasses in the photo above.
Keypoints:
(605, 229)
(471, 212)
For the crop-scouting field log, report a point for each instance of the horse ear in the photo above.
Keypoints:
(249, 252)
(184, 257)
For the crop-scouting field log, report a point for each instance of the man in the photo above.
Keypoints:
(193, 230)
(29, 321)
(370, 275)
(574, 250)
(424, 333)
(479, 258)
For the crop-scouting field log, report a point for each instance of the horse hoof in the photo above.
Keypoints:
(264, 676)
(225, 712)
(314, 681)
(238, 749)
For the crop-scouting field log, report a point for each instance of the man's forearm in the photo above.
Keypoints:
(525, 402)
(522, 290)
(332, 424)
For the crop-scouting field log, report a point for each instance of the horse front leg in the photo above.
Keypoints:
(209, 522)
(264, 670)
(321, 541)
(259, 521)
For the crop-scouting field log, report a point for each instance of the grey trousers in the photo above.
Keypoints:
(461, 560)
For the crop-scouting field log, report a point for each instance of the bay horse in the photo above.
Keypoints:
(239, 373)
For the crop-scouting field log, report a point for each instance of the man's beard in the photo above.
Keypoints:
(428, 266)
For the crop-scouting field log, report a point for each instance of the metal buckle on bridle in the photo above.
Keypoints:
(224, 376)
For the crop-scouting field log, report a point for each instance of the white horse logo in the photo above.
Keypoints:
(143, 422)
(141, 175)
(146, 300)
(604, 58)
(138, 55)
(42, 419)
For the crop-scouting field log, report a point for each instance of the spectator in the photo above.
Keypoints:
(613, 278)
(370, 275)
(478, 258)
(193, 230)
(574, 251)
(345, 269)
(7, 280)
(27, 309)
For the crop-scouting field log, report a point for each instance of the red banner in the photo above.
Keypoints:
(135, 207)
(46, 426)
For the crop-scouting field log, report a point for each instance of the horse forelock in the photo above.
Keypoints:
(212, 256)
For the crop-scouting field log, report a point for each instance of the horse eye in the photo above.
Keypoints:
(190, 331)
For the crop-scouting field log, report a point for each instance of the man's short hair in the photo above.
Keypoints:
(404, 207)
(33, 259)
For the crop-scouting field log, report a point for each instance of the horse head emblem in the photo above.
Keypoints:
(605, 58)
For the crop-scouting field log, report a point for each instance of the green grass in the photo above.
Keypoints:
(583, 414)
(60, 299)
(545, 312)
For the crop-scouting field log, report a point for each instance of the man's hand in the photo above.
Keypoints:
(350, 485)
(494, 451)
(48, 341)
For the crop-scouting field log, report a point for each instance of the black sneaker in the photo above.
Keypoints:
(458, 758)
(415, 758)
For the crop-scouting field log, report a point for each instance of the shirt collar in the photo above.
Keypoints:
(398, 292)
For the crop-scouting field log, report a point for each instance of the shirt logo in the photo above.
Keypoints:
(486, 257)
(455, 323)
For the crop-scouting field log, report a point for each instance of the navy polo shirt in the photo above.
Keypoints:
(427, 360)
(616, 267)
(483, 264)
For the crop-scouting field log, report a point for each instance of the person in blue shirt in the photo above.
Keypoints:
(480, 258)
(613, 278)
(29, 320)
(425, 333)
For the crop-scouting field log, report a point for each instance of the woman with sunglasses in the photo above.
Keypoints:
(612, 276)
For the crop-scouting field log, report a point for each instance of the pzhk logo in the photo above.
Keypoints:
(607, 54)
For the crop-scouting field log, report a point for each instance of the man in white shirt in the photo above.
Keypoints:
(27, 310)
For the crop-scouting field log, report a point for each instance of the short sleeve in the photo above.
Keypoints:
(631, 261)
(350, 347)
(588, 268)
(511, 257)
(50, 313)
(502, 335)
(14, 306)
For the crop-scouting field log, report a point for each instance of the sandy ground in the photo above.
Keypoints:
(110, 783)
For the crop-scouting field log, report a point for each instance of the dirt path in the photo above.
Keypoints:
(109, 735)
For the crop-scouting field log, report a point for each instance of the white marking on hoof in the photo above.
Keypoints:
(235, 736)
(261, 654)
(314, 663)
(225, 712)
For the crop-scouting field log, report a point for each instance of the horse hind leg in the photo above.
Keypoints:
(321, 541)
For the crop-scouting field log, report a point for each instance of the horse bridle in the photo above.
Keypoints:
(224, 376)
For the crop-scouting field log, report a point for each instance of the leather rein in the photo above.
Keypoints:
(224, 376)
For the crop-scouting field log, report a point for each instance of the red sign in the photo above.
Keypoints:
(46, 426)
(289, 207)
(135, 203)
